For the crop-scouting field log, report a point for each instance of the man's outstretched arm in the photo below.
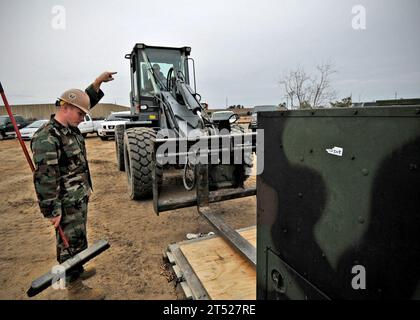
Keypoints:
(94, 90)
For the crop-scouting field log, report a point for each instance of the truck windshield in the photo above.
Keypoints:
(161, 61)
(37, 124)
(4, 120)
(221, 115)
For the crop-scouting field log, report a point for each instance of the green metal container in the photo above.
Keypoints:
(338, 204)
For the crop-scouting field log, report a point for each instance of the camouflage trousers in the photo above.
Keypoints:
(73, 222)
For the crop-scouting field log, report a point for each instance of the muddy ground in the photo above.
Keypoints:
(131, 268)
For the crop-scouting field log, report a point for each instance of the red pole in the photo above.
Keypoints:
(22, 144)
(25, 151)
(64, 238)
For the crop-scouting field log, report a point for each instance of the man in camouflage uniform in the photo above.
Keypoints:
(62, 178)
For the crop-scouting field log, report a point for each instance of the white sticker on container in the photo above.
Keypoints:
(336, 151)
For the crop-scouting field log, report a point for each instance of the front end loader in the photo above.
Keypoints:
(170, 129)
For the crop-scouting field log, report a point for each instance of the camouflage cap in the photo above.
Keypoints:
(78, 98)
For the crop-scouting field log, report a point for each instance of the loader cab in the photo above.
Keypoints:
(150, 68)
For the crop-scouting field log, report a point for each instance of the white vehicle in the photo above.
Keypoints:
(107, 129)
(218, 116)
(28, 132)
(253, 125)
(89, 125)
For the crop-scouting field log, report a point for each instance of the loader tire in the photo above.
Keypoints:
(139, 162)
(119, 146)
(249, 157)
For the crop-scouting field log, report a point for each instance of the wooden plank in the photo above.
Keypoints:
(178, 272)
(170, 257)
(223, 272)
(198, 292)
(187, 290)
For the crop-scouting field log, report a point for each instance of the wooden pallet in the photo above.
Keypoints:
(208, 268)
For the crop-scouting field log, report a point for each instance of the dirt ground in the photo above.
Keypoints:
(131, 268)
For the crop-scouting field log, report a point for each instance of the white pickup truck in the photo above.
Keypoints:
(107, 129)
(89, 125)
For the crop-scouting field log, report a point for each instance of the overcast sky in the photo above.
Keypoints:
(241, 48)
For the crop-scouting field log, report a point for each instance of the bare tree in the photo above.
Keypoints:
(310, 92)
(322, 92)
(296, 85)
